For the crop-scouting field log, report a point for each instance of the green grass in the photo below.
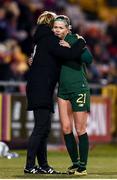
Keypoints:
(102, 164)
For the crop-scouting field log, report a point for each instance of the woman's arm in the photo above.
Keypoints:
(86, 56)
(64, 52)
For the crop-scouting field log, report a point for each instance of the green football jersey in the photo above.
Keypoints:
(73, 75)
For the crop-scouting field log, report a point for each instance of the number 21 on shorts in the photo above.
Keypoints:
(81, 98)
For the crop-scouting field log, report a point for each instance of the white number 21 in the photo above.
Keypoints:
(81, 98)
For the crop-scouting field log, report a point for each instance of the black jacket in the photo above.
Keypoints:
(45, 69)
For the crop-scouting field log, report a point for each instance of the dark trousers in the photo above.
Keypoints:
(37, 145)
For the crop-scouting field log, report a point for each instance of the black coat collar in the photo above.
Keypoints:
(42, 31)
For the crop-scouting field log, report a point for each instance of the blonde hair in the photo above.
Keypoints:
(65, 19)
(47, 17)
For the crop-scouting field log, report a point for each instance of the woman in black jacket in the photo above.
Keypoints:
(42, 79)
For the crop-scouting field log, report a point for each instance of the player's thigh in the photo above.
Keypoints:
(65, 112)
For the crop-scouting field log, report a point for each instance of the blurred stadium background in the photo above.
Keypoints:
(96, 21)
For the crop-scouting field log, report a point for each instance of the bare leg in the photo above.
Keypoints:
(80, 121)
(66, 116)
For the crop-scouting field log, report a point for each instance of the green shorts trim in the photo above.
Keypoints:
(80, 101)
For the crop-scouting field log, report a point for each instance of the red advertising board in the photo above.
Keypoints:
(99, 120)
(16, 123)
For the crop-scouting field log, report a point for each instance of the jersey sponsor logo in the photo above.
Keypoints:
(80, 105)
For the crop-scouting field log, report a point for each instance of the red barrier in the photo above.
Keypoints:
(100, 117)
(16, 123)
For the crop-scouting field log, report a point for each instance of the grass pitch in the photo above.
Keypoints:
(102, 164)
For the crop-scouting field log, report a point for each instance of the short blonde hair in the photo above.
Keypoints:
(47, 17)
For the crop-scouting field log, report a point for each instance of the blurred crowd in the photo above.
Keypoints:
(17, 25)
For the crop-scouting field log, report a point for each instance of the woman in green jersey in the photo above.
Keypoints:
(73, 98)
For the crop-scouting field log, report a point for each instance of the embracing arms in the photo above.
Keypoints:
(64, 52)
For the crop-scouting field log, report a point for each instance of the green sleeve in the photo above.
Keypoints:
(86, 56)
